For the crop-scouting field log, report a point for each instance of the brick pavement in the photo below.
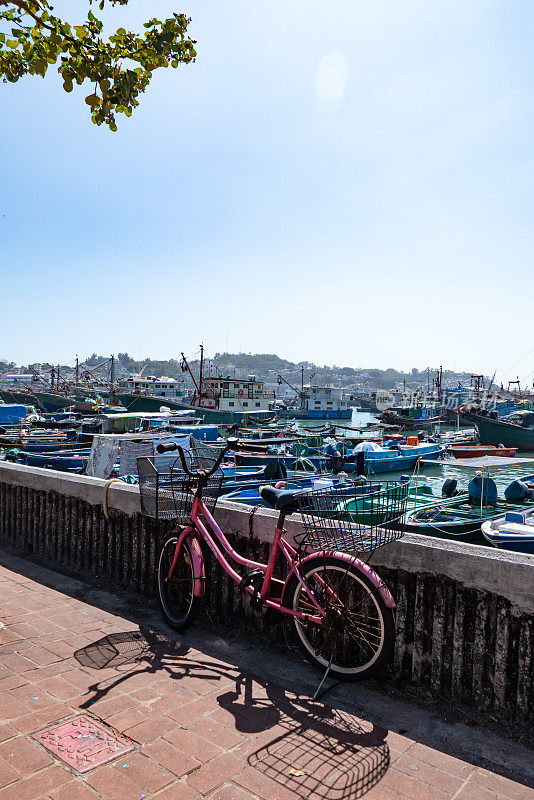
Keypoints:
(201, 727)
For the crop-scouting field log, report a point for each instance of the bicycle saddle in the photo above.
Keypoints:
(282, 500)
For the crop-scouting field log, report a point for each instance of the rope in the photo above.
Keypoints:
(250, 521)
(105, 495)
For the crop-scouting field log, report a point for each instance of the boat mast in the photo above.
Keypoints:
(200, 379)
(112, 380)
(186, 368)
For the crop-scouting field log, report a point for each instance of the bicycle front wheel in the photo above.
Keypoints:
(357, 636)
(176, 596)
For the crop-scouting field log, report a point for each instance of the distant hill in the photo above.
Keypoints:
(267, 367)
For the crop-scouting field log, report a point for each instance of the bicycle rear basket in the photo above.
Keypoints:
(167, 492)
(354, 519)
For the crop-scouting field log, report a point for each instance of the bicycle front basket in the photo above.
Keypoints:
(168, 492)
(354, 519)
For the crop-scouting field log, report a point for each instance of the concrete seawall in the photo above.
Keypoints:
(465, 614)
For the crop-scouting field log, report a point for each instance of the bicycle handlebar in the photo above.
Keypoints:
(232, 444)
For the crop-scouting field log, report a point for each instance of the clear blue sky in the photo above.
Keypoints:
(348, 183)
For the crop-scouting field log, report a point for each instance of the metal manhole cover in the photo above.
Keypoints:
(83, 743)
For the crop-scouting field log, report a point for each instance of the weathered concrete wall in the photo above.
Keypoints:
(465, 615)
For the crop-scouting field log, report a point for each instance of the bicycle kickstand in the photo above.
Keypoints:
(316, 695)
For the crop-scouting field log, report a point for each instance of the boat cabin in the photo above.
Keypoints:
(157, 387)
(227, 393)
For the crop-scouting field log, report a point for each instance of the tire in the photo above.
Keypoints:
(178, 604)
(355, 656)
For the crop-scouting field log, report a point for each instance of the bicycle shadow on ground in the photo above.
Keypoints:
(315, 751)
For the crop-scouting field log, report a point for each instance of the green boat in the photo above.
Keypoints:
(146, 403)
(51, 402)
(419, 497)
(517, 430)
(21, 398)
(459, 518)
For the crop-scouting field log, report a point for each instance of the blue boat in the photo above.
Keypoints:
(320, 463)
(252, 497)
(394, 458)
(513, 530)
(64, 461)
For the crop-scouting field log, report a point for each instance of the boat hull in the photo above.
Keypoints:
(477, 452)
(298, 413)
(54, 402)
(495, 432)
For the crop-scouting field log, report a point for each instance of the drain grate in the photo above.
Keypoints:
(83, 743)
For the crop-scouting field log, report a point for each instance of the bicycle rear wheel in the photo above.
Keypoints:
(176, 596)
(357, 636)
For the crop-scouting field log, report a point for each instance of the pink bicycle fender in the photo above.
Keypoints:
(198, 564)
(375, 579)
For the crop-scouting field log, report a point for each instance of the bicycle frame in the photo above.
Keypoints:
(218, 542)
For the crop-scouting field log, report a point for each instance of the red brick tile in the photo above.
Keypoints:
(147, 773)
(121, 720)
(500, 785)
(7, 732)
(214, 732)
(11, 707)
(152, 728)
(412, 788)
(38, 785)
(421, 771)
(7, 774)
(192, 710)
(443, 761)
(215, 772)
(190, 742)
(58, 687)
(170, 756)
(33, 697)
(38, 719)
(231, 792)
(24, 755)
(11, 682)
(258, 783)
(75, 790)
(178, 791)
(472, 791)
(41, 656)
(60, 648)
(111, 785)
(119, 706)
(145, 694)
(380, 792)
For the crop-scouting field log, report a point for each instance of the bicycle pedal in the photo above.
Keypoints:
(254, 577)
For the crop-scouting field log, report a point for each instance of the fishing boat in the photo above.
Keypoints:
(61, 460)
(514, 431)
(51, 402)
(513, 530)
(379, 459)
(15, 396)
(478, 451)
(414, 417)
(461, 517)
(252, 496)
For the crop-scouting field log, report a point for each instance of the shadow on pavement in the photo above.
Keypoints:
(315, 751)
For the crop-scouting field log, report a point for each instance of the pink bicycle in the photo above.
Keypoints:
(341, 610)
